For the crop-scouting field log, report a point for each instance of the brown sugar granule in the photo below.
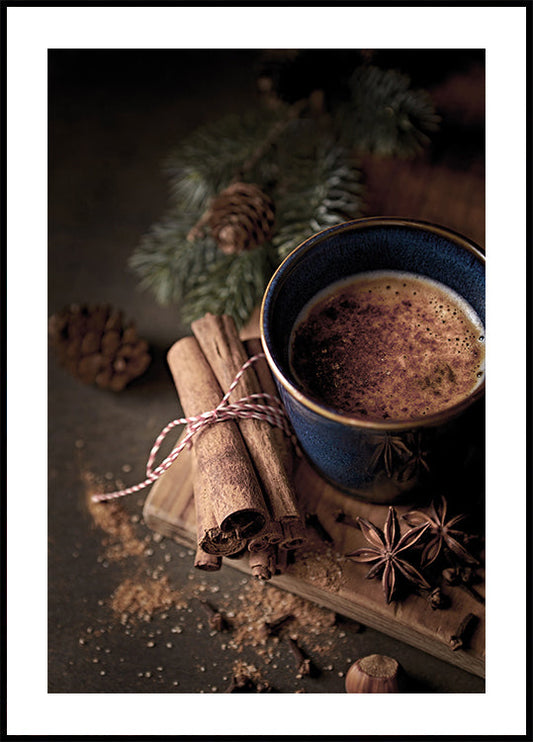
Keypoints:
(262, 604)
(318, 564)
(246, 678)
(142, 599)
(111, 518)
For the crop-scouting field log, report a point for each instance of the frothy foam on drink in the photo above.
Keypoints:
(388, 345)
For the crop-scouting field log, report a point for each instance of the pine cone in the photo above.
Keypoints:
(241, 218)
(96, 347)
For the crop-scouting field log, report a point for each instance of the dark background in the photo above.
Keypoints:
(113, 116)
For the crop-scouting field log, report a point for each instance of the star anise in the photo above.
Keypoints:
(385, 550)
(388, 449)
(444, 535)
(417, 463)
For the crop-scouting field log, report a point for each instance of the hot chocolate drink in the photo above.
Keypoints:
(386, 345)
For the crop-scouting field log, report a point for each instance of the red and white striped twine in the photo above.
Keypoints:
(261, 406)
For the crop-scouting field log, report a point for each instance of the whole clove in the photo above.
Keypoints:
(462, 578)
(217, 622)
(304, 663)
(313, 521)
(463, 633)
(242, 683)
(273, 627)
(346, 519)
(436, 598)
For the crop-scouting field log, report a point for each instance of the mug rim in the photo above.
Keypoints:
(434, 419)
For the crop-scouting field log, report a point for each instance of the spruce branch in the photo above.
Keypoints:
(322, 186)
(246, 169)
(277, 129)
(301, 158)
(205, 162)
(384, 115)
(166, 262)
(232, 284)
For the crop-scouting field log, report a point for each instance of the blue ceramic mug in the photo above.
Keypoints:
(383, 461)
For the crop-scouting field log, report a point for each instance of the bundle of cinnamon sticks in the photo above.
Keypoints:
(244, 497)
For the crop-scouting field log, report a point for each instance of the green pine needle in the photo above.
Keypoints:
(204, 163)
(310, 172)
(384, 115)
(167, 262)
(233, 284)
(321, 187)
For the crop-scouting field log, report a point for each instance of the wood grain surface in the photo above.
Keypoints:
(320, 571)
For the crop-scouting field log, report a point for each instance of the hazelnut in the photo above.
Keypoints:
(373, 674)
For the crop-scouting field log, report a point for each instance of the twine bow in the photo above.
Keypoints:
(261, 406)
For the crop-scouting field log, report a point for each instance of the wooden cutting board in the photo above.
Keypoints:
(321, 573)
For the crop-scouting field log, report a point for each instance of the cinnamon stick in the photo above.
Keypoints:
(226, 354)
(271, 534)
(282, 560)
(291, 534)
(207, 562)
(211, 540)
(263, 563)
(259, 543)
(267, 384)
(229, 502)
